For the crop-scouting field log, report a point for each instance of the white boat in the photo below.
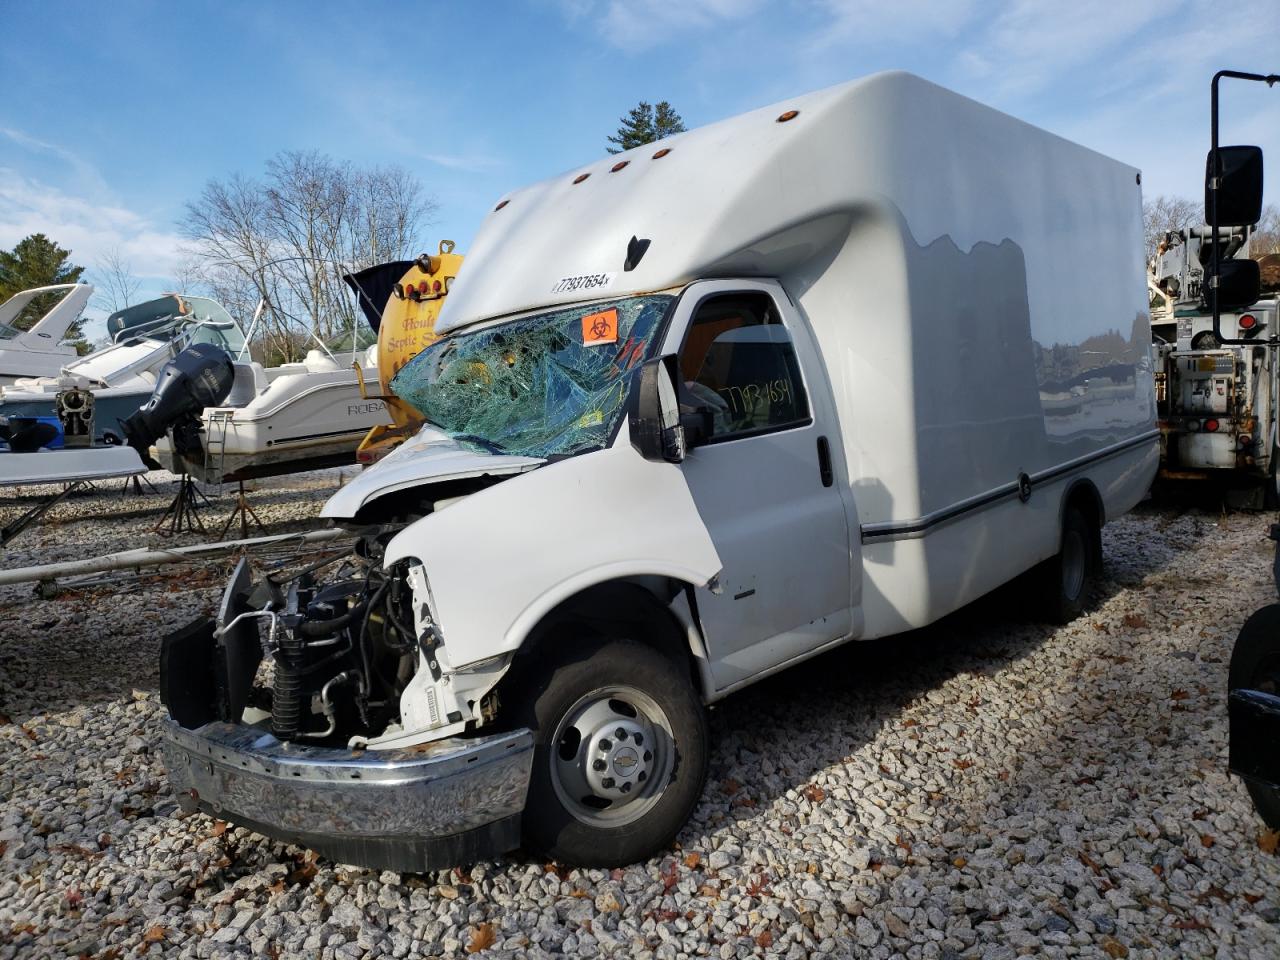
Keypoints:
(41, 350)
(286, 419)
(122, 375)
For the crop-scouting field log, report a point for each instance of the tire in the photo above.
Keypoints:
(1270, 494)
(1255, 664)
(577, 811)
(1066, 578)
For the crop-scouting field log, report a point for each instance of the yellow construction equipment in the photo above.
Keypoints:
(408, 325)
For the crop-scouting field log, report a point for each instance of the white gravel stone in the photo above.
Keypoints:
(985, 788)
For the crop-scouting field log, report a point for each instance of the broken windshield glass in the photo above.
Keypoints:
(553, 383)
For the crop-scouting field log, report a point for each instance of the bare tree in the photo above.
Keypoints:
(1266, 238)
(116, 286)
(289, 237)
(1164, 214)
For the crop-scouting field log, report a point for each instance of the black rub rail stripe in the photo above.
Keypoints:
(317, 436)
(946, 514)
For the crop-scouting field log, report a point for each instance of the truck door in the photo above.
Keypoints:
(767, 483)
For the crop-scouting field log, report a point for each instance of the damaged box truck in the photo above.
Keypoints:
(698, 411)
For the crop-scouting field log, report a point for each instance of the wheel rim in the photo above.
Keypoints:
(612, 756)
(1073, 564)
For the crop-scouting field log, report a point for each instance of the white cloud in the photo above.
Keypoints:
(88, 228)
(85, 173)
(469, 163)
(874, 21)
(642, 24)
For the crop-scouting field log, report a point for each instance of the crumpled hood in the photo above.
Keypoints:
(428, 457)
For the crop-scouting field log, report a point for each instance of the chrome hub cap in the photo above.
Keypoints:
(613, 756)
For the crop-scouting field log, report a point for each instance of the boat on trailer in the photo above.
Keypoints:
(122, 375)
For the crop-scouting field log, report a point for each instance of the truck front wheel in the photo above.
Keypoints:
(620, 755)
(1255, 665)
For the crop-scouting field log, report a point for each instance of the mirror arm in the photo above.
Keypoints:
(1270, 80)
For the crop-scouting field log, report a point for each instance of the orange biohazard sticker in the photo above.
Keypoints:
(598, 328)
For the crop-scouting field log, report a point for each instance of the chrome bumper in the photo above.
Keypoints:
(416, 808)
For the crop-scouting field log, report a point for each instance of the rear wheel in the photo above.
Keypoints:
(1255, 665)
(620, 755)
(1067, 577)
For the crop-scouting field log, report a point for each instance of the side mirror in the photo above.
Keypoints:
(1237, 185)
(1239, 282)
(656, 430)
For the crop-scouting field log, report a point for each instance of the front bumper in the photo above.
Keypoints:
(418, 808)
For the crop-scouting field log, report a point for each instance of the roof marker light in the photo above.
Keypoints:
(580, 177)
(618, 166)
(1248, 321)
(661, 153)
(501, 205)
(1211, 426)
(789, 115)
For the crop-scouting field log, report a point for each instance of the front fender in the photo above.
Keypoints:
(499, 560)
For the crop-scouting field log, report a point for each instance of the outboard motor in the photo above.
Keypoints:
(198, 377)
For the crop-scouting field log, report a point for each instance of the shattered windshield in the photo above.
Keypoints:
(553, 383)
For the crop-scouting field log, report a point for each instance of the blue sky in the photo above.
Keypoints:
(115, 114)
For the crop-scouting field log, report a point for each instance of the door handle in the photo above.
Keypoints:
(824, 462)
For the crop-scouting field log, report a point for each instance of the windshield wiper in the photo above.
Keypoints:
(482, 441)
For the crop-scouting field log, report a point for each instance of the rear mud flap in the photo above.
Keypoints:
(1255, 733)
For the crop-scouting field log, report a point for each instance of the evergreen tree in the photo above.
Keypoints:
(36, 261)
(645, 123)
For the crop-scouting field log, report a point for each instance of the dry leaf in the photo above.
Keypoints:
(1268, 840)
(219, 828)
(962, 764)
(959, 863)
(1190, 924)
(154, 934)
(691, 860)
(1135, 621)
(73, 897)
(1114, 948)
(1206, 840)
(814, 793)
(579, 893)
(482, 938)
(77, 849)
(1089, 862)
(730, 786)
(1179, 695)
(765, 940)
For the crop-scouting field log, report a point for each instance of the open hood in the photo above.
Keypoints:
(426, 458)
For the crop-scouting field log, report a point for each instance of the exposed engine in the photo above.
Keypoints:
(339, 655)
(198, 377)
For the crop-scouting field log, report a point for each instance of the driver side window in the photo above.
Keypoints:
(738, 359)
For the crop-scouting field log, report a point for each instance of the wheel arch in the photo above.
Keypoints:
(649, 608)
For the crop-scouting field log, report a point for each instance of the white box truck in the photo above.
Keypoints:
(699, 411)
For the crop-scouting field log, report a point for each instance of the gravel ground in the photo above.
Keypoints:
(986, 788)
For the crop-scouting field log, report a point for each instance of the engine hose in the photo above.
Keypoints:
(286, 695)
(323, 628)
